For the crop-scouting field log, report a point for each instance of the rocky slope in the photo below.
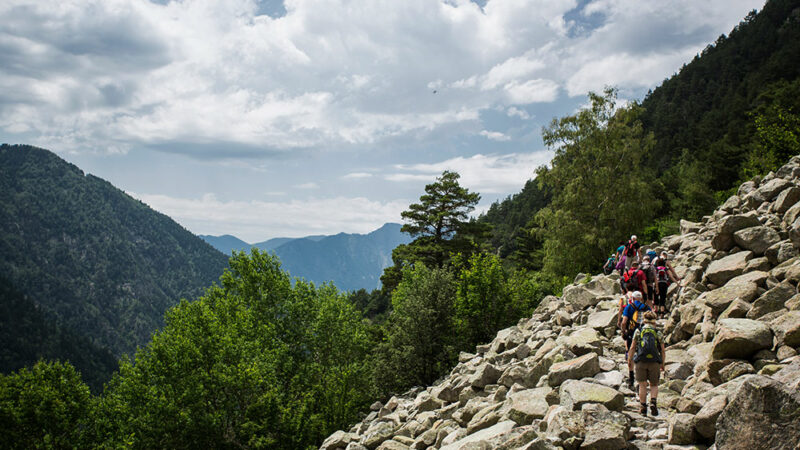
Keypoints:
(557, 379)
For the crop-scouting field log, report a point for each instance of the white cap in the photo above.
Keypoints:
(637, 295)
(633, 238)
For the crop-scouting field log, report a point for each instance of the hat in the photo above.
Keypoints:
(646, 258)
(633, 238)
(636, 295)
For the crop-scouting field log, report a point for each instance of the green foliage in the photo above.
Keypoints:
(599, 185)
(660, 228)
(45, 406)
(253, 363)
(373, 305)
(420, 344)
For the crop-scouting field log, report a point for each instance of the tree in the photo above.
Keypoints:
(46, 406)
(601, 191)
(441, 226)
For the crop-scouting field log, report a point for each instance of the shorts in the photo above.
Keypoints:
(648, 371)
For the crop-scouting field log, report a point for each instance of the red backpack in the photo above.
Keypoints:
(631, 280)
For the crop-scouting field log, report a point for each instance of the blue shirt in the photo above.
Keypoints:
(631, 308)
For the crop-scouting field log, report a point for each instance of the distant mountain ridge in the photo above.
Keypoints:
(351, 261)
(100, 263)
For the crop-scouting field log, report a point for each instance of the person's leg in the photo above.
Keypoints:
(628, 342)
(641, 378)
(654, 377)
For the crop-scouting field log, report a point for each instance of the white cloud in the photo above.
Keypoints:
(531, 91)
(357, 175)
(495, 136)
(516, 112)
(490, 174)
(310, 185)
(255, 221)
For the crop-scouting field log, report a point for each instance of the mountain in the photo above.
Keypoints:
(225, 243)
(93, 260)
(351, 261)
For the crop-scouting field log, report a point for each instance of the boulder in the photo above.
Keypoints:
(486, 374)
(587, 365)
(732, 224)
(482, 435)
(604, 429)
(722, 270)
(600, 320)
(528, 405)
(780, 252)
(579, 296)
(756, 239)
(705, 421)
(681, 429)
(736, 310)
(719, 299)
(376, 434)
(740, 338)
(733, 202)
(583, 341)
(787, 199)
(762, 413)
(746, 188)
(393, 445)
(687, 227)
(612, 379)
(772, 188)
(791, 214)
(564, 423)
(772, 300)
(787, 329)
(575, 393)
(339, 439)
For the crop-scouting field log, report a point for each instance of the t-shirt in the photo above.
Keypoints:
(640, 278)
(630, 308)
(620, 249)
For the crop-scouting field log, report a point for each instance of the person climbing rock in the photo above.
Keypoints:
(635, 280)
(632, 317)
(610, 265)
(664, 276)
(631, 252)
(647, 353)
(649, 271)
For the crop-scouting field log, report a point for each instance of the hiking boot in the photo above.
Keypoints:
(643, 409)
(630, 383)
(653, 408)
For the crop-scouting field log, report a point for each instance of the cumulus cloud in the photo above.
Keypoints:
(114, 75)
(256, 220)
(490, 174)
(310, 185)
(357, 175)
(495, 136)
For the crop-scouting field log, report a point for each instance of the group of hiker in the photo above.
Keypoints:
(645, 278)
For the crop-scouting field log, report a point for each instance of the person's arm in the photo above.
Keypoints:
(663, 355)
(672, 277)
(632, 350)
(624, 325)
(619, 316)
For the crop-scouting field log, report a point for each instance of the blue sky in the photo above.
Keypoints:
(288, 118)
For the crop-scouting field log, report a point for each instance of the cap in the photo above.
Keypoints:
(633, 238)
(637, 295)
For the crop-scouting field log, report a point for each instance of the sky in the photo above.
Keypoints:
(287, 118)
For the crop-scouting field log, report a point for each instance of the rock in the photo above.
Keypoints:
(746, 188)
(787, 199)
(740, 338)
(339, 439)
(757, 276)
(780, 252)
(376, 434)
(562, 318)
(772, 300)
(600, 320)
(762, 413)
(734, 370)
(732, 224)
(736, 310)
(518, 375)
(722, 270)
(612, 379)
(482, 435)
(579, 296)
(681, 429)
(539, 443)
(756, 239)
(758, 264)
(583, 341)
(678, 371)
(733, 202)
(485, 418)
(575, 393)
(772, 188)
(528, 405)
(689, 227)
(719, 299)
(486, 374)
(787, 329)
(392, 445)
(604, 429)
(705, 421)
(793, 304)
(563, 424)
(425, 402)
(587, 365)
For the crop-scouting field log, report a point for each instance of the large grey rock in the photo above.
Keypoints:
(582, 341)
(740, 338)
(787, 329)
(736, 310)
(772, 300)
(705, 421)
(681, 429)
(579, 296)
(756, 239)
(733, 202)
(781, 252)
(746, 188)
(763, 413)
(528, 405)
(575, 393)
(564, 423)
(791, 214)
(600, 320)
(482, 435)
(772, 188)
(587, 365)
(787, 199)
(687, 227)
(732, 224)
(722, 270)
(720, 298)
(376, 434)
(605, 430)
(339, 439)
(486, 374)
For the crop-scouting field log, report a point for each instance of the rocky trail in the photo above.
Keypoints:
(558, 379)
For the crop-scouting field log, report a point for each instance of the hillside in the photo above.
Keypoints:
(100, 263)
(351, 261)
(558, 378)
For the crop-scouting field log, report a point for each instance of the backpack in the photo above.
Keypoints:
(652, 254)
(631, 280)
(634, 322)
(647, 350)
(609, 266)
(630, 249)
(663, 277)
(650, 273)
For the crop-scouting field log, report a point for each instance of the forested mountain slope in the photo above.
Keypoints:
(103, 264)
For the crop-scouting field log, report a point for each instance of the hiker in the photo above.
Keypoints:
(610, 265)
(668, 265)
(635, 280)
(650, 273)
(647, 353)
(631, 319)
(664, 276)
(632, 249)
